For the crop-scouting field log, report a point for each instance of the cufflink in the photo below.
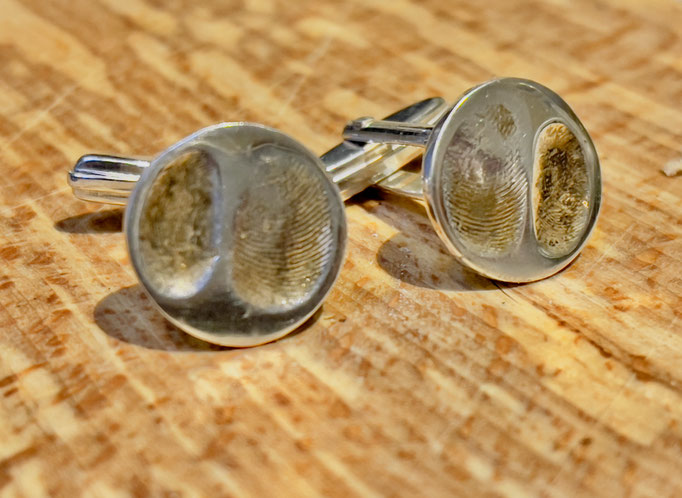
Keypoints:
(238, 231)
(510, 178)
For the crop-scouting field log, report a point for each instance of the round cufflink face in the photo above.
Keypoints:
(236, 233)
(512, 181)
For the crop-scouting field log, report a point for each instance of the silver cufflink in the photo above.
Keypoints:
(238, 231)
(510, 178)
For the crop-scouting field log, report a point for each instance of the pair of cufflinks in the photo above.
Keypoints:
(238, 231)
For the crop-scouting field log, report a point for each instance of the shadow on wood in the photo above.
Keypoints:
(129, 315)
(107, 221)
(416, 255)
(409, 260)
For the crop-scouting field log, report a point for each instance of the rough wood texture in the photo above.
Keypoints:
(417, 378)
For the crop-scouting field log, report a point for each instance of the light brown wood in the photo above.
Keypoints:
(418, 378)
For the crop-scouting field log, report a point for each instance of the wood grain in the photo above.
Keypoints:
(417, 378)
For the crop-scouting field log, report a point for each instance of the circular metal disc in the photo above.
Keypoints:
(512, 181)
(236, 233)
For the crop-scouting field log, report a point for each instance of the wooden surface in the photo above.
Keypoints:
(417, 378)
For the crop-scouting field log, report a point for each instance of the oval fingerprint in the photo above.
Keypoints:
(284, 243)
(560, 191)
(484, 197)
(177, 226)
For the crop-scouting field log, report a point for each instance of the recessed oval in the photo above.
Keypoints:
(560, 191)
(283, 233)
(484, 197)
(178, 225)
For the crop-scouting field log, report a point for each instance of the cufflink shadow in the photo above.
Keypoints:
(106, 221)
(129, 315)
(409, 260)
(416, 255)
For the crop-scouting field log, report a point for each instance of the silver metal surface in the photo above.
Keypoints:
(372, 131)
(238, 232)
(351, 166)
(106, 179)
(355, 166)
(510, 177)
(404, 183)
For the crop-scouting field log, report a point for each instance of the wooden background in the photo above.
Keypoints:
(418, 378)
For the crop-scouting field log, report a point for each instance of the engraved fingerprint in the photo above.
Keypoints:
(561, 191)
(284, 241)
(177, 225)
(484, 197)
(502, 118)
